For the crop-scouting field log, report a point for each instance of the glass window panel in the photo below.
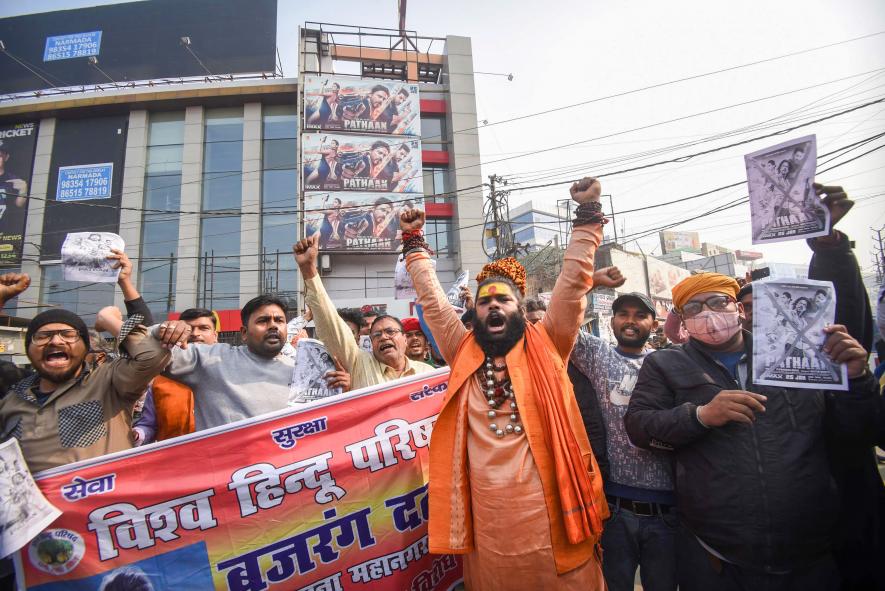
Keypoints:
(440, 185)
(280, 154)
(280, 121)
(280, 232)
(279, 190)
(220, 263)
(222, 190)
(163, 192)
(166, 128)
(428, 181)
(223, 157)
(83, 299)
(224, 125)
(164, 159)
(158, 285)
(432, 130)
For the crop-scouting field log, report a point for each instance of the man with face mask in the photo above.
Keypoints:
(387, 361)
(514, 485)
(755, 494)
(639, 488)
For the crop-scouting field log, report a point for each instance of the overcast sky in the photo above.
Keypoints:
(566, 52)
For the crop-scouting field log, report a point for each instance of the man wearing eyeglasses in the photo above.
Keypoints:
(754, 491)
(387, 361)
(67, 411)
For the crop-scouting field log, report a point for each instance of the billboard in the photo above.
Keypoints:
(85, 180)
(357, 221)
(327, 495)
(662, 277)
(672, 241)
(17, 144)
(359, 163)
(361, 106)
(138, 41)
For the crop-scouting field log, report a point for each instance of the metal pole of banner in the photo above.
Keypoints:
(169, 302)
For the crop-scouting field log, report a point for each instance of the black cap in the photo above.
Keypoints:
(634, 297)
(59, 316)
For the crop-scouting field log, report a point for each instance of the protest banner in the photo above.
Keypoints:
(84, 256)
(341, 162)
(783, 205)
(361, 105)
(357, 222)
(327, 496)
(788, 335)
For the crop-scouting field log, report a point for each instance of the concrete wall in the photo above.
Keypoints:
(464, 152)
(250, 221)
(134, 168)
(186, 283)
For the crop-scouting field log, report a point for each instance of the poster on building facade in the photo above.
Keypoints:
(788, 335)
(337, 103)
(17, 144)
(357, 222)
(358, 163)
(783, 205)
(632, 267)
(330, 495)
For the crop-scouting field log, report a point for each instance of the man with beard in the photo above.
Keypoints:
(639, 487)
(233, 383)
(387, 361)
(514, 486)
(757, 501)
(67, 411)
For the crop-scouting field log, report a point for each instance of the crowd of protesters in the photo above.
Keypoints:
(705, 480)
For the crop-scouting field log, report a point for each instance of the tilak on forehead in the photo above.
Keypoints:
(494, 288)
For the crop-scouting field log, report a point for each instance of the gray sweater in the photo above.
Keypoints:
(230, 383)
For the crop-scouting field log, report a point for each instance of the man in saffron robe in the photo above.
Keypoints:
(514, 486)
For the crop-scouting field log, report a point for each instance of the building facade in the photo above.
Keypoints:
(205, 187)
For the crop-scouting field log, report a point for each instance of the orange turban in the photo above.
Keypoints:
(508, 268)
(703, 282)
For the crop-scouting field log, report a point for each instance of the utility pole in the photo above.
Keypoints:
(879, 253)
(497, 222)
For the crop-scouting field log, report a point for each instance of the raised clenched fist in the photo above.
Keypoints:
(586, 190)
(411, 220)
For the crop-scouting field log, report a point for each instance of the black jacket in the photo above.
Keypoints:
(591, 413)
(836, 263)
(762, 496)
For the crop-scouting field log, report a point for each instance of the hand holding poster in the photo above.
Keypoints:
(788, 335)
(338, 162)
(454, 293)
(312, 363)
(357, 222)
(362, 106)
(84, 256)
(783, 204)
(24, 511)
(329, 496)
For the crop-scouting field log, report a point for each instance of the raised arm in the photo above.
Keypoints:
(135, 304)
(566, 310)
(12, 284)
(331, 328)
(442, 319)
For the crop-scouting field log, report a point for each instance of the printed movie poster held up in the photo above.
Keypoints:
(84, 256)
(361, 106)
(312, 363)
(783, 205)
(24, 511)
(17, 144)
(367, 164)
(367, 222)
(788, 335)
